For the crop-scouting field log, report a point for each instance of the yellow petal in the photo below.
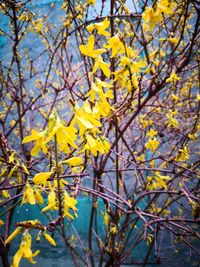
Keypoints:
(39, 197)
(90, 45)
(30, 197)
(49, 239)
(74, 161)
(25, 169)
(13, 235)
(35, 150)
(105, 68)
(34, 136)
(41, 178)
(12, 157)
(17, 258)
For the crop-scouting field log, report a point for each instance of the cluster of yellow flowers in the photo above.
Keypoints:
(24, 250)
(152, 143)
(152, 16)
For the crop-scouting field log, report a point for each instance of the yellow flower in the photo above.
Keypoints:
(145, 122)
(69, 203)
(39, 137)
(25, 251)
(116, 45)
(165, 6)
(12, 157)
(28, 195)
(5, 194)
(38, 196)
(171, 120)
(152, 133)
(175, 97)
(25, 169)
(100, 27)
(64, 135)
(183, 154)
(93, 144)
(160, 180)
(49, 239)
(113, 229)
(37, 25)
(97, 91)
(90, 27)
(99, 63)
(85, 117)
(13, 235)
(52, 205)
(74, 161)
(152, 17)
(106, 219)
(152, 144)
(91, 2)
(173, 40)
(98, 144)
(173, 78)
(88, 50)
(1, 223)
(41, 178)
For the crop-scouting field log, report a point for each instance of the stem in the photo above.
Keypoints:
(112, 67)
(58, 176)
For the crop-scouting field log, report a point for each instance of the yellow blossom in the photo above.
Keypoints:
(99, 63)
(173, 40)
(28, 195)
(5, 194)
(64, 135)
(91, 2)
(175, 97)
(37, 25)
(13, 235)
(160, 180)
(69, 203)
(41, 178)
(171, 120)
(145, 122)
(116, 45)
(25, 169)
(151, 17)
(25, 251)
(85, 117)
(99, 144)
(192, 136)
(152, 144)
(113, 229)
(152, 133)
(101, 27)
(183, 154)
(165, 6)
(12, 157)
(173, 78)
(52, 205)
(39, 138)
(88, 50)
(49, 239)
(106, 219)
(74, 161)
(38, 196)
